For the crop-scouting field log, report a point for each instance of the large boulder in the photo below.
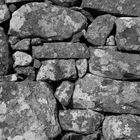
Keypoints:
(44, 20)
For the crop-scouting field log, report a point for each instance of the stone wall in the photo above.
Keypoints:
(69, 70)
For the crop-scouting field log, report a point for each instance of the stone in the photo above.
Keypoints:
(114, 64)
(9, 78)
(39, 19)
(106, 95)
(121, 127)
(4, 13)
(22, 1)
(12, 8)
(21, 59)
(110, 41)
(2, 1)
(4, 53)
(64, 92)
(22, 45)
(13, 40)
(113, 48)
(81, 121)
(99, 29)
(36, 64)
(82, 66)
(60, 50)
(128, 34)
(56, 70)
(36, 41)
(28, 111)
(118, 7)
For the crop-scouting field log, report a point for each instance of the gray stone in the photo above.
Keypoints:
(9, 78)
(110, 41)
(113, 48)
(36, 41)
(36, 64)
(13, 40)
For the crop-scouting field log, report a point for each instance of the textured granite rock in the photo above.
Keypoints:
(4, 53)
(122, 7)
(36, 64)
(113, 48)
(64, 92)
(128, 33)
(44, 20)
(103, 94)
(36, 41)
(110, 41)
(60, 50)
(56, 70)
(28, 111)
(12, 8)
(121, 127)
(9, 78)
(99, 29)
(13, 40)
(81, 121)
(114, 64)
(21, 59)
(23, 1)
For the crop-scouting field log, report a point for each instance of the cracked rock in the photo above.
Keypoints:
(56, 70)
(27, 111)
(44, 20)
(81, 121)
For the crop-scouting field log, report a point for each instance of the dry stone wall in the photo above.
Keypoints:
(69, 69)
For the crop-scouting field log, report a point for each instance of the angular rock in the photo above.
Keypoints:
(9, 78)
(36, 64)
(99, 29)
(128, 34)
(4, 53)
(28, 111)
(21, 59)
(113, 48)
(103, 94)
(122, 7)
(56, 70)
(22, 45)
(60, 50)
(82, 66)
(81, 121)
(13, 40)
(44, 20)
(4, 13)
(114, 64)
(64, 92)
(110, 41)
(121, 127)
(36, 41)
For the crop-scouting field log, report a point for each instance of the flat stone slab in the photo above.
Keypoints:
(56, 70)
(27, 111)
(122, 7)
(128, 34)
(81, 121)
(121, 127)
(44, 20)
(106, 95)
(60, 50)
(114, 64)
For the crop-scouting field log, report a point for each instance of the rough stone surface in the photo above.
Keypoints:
(114, 64)
(128, 34)
(22, 1)
(110, 41)
(82, 66)
(81, 121)
(57, 70)
(13, 40)
(21, 59)
(104, 94)
(99, 29)
(23, 45)
(122, 127)
(28, 111)
(121, 7)
(9, 78)
(36, 41)
(60, 50)
(36, 64)
(114, 48)
(64, 92)
(44, 20)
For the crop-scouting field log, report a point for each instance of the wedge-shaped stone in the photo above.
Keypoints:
(128, 34)
(123, 7)
(81, 121)
(27, 111)
(104, 94)
(61, 50)
(4, 13)
(46, 21)
(121, 127)
(114, 64)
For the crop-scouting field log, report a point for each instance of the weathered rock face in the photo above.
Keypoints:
(103, 94)
(60, 50)
(28, 111)
(44, 20)
(81, 121)
(122, 127)
(99, 29)
(128, 33)
(11, 77)
(114, 64)
(55, 70)
(123, 7)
